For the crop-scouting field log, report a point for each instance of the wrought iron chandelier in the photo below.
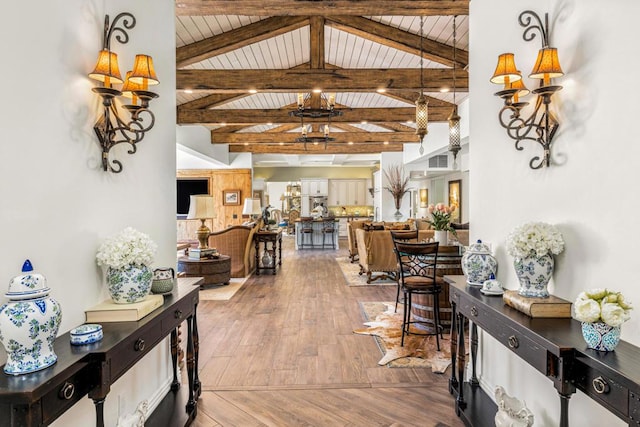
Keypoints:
(111, 128)
(315, 106)
(542, 125)
(454, 118)
(422, 112)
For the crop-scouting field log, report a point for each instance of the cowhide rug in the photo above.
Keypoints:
(418, 351)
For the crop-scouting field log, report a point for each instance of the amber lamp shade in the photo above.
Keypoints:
(143, 72)
(506, 71)
(106, 69)
(547, 65)
(129, 87)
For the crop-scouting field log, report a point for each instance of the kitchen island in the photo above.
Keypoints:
(317, 236)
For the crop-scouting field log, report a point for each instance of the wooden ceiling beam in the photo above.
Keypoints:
(342, 80)
(353, 115)
(211, 100)
(290, 137)
(323, 8)
(332, 148)
(398, 127)
(237, 38)
(316, 42)
(399, 39)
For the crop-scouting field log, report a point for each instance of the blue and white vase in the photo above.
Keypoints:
(600, 336)
(478, 264)
(29, 323)
(534, 274)
(129, 284)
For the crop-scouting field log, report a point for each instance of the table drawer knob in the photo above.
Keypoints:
(139, 345)
(474, 311)
(600, 385)
(177, 314)
(513, 342)
(66, 391)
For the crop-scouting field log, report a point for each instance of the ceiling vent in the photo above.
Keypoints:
(440, 161)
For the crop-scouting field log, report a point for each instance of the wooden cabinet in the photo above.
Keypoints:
(314, 187)
(347, 192)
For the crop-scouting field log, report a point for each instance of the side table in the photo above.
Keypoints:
(213, 270)
(266, 237)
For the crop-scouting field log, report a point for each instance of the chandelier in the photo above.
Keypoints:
(422, 113)
(315, 106)
(454, 118)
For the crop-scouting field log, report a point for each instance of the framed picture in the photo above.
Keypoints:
(455, 200)
(231, 197)
(257, 194)
(424, 197)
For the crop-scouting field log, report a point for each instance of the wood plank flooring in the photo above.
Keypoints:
(282, 352)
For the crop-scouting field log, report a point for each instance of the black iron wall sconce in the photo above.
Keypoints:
(542, 124)
(111, 128)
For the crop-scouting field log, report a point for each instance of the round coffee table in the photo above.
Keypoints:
(214, 270)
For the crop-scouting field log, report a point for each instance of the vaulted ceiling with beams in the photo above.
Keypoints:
(241, 64)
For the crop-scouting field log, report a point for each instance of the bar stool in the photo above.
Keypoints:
(402, 236)
(305, 238)
(418, 263)
(328, 229)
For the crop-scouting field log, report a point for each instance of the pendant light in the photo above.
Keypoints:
(454, 118)
(422, 113)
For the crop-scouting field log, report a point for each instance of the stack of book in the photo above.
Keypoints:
(109, 311)
(196, 253)
(552, 306)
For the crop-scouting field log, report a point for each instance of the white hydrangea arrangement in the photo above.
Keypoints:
(130, 246)
(535, 238)
(602, 305)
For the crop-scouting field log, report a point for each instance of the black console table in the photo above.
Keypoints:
(39, 398)
(554, 347)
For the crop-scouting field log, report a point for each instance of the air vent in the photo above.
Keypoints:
(441, 161)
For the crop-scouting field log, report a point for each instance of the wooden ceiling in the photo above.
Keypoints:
(240, 64)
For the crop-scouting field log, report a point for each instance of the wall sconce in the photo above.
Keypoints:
(111, 128)
(542, 124)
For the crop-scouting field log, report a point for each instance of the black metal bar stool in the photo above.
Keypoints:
(402, 236)
(306, 233)
(328, 230)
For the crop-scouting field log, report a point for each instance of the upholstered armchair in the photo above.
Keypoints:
(352, 226)
(237, 242)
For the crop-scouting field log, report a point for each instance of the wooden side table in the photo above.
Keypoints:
(213, 270)
(266, 237)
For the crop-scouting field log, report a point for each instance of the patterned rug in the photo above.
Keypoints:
(418, 351)
(222, 292)
(351, 274)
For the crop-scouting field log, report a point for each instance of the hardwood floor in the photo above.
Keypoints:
(282, 352)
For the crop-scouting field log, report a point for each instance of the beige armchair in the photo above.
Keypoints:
(237, 242)
(352, 226)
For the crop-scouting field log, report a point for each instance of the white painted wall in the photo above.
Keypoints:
(57, 203)
(589, 192)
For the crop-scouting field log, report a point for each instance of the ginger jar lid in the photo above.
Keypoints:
(478, 248)
(27, 285)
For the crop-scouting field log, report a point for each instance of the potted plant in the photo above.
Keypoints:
(441, 221)
(398, 186)
(602, 313)
(128, 256)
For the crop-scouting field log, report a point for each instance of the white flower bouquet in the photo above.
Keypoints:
(535, 238)
(602, 305)
(128, 247)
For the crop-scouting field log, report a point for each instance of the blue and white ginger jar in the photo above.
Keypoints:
(129, 284)
(478, 264)
(29, 323)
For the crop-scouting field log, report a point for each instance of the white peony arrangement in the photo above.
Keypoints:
(602, 305)
(130, 246)
(535, 238)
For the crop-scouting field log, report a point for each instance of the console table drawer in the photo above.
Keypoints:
(133, 349)
(601, 388)
(177, 315)
(70, 391)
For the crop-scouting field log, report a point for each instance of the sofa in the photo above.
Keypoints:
(375, 251)
(237, 242)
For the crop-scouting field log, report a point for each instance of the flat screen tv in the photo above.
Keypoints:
(186, 188)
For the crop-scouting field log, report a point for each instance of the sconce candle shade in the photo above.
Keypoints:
(547, 65)
(506, 71)
(143, 72)
(106, 69)
(521, 89)
(201, 207)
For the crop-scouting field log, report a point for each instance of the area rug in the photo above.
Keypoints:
(222, 292)
(351, 274)
(418, 351)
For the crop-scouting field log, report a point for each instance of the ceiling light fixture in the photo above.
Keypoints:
(316, 106)
(422, 113)
(454, 118)
(542, 125)
(110, 128)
